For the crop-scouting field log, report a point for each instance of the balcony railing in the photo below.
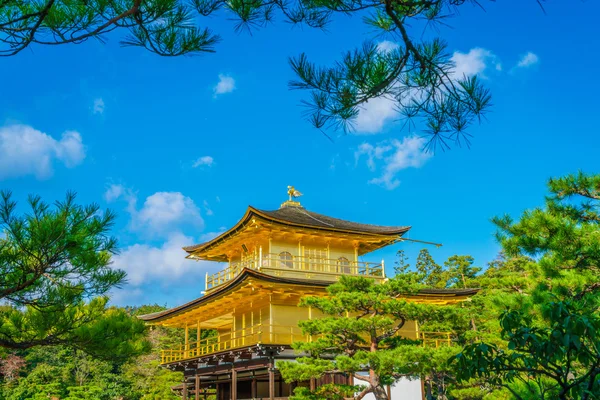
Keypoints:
(253, 335)
(268, 334)
(299, 267)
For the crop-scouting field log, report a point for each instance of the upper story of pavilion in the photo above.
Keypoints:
(293, 242)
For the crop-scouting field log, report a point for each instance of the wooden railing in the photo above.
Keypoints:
(267, 334)
(229, 273)
(298, 266)
(322, 265)
(257, 334)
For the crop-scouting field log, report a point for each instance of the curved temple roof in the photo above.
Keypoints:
(298, 216)
(249, 273)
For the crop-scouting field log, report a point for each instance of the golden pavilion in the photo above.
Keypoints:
(251, 306)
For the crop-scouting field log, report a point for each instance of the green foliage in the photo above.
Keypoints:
(507, 282)
(52, 257)
(358, 332)
(54, 274)
(64, 373)
(460, 270)
(549, 345)
(151, 382)
(559, 360)
(401, 265)
(431, 272)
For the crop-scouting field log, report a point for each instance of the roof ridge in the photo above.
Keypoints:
(334, 218)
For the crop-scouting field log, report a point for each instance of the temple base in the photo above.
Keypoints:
(245, 374)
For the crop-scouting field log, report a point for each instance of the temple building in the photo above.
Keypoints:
(250, 308)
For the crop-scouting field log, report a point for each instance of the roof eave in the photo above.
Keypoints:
(249, 273)
(254, 211)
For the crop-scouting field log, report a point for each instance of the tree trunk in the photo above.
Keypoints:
(428, 389)
(378, 390)
(441, 387)
(380, 393)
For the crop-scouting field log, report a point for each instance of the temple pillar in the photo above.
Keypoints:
(271, 380)
(328, 263)
(270, 248)
(355, 244)
(301, 261)
(184, 391)
(187, 342)
(233, 383)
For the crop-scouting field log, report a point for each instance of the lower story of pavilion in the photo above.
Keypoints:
(248, 373)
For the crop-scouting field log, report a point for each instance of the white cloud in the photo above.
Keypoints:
(395, 155)
(127, 296)
(117, 191)
(528, 60)
(372, 153)
(374, 114)
(474, 62)
(207, 161)
(164, 210)
(98, 106)
(387, 46)
(113, 192)
(165, 263)
(27, 151)
(161, 212)
(226, 84)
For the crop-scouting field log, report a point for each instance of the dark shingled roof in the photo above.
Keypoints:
(299, 216)
(250, 273)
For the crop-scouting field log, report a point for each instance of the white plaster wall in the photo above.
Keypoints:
(404, 389)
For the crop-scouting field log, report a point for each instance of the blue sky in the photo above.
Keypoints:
(180, 146)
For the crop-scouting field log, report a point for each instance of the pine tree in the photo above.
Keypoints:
(401, 265)
(431, 272)
(60, 372)
(54, 276)
(552, 336)
(359, 330)
(460, 270)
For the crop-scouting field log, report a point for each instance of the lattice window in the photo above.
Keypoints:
(343, 265)
(286, 260)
